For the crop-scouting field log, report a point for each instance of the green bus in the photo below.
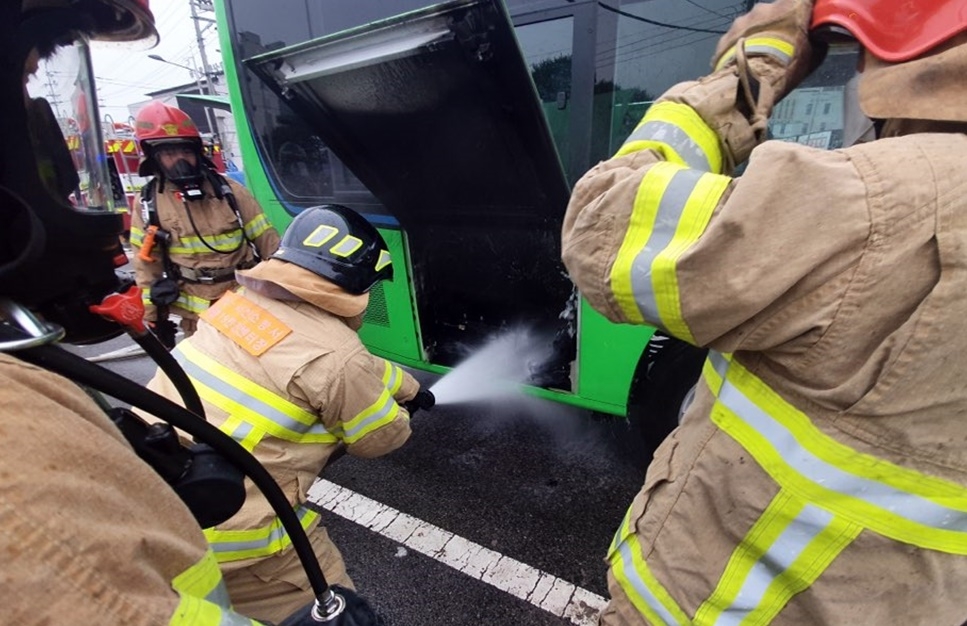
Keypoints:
(457, 129)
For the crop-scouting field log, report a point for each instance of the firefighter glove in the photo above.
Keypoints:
(424, 399)
(357, 612)
(165, 331)
(760, 59)
(164, 291)
(770, 49)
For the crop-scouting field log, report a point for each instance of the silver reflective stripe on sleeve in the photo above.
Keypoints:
(676, 137)
(670, 210)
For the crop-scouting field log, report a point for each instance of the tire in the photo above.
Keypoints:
(662, 387)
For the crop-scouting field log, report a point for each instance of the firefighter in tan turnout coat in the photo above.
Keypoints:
(820, 475)
(280, 368)
(191, 228)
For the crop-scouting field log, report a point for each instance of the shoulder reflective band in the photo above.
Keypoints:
(778, 49)
(785, 551)
(250, 406)
(896, 502)
(226, 242)
(392, 377)
(636, 580)
(256, 226)
(203, 598)
(672, 209)
(378, 414)
(236, 545)
(679, 135)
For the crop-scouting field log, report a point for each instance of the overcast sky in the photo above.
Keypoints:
(124, 73)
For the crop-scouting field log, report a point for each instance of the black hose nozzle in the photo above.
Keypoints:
(424, 399)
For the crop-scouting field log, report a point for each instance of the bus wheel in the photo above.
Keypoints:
(662, 388)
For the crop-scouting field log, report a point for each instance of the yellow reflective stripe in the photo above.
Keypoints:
(137, 236)
(253, 404)
(192, 303)
(235, 545)
(185, 301)
(672, 209)
(194, 245)
(785, 551)
(256, 226)
(203, 598)
(242, 432)
(392, 377)
(636, 579)
(894, 501)
(378, 414)
(679, 134)
(200, 579)
(640, 225)
(779, 49)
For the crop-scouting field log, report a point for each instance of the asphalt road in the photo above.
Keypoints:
(490, 514)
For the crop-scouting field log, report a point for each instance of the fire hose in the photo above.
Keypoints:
(32, 340)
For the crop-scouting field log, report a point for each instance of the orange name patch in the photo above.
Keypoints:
(246, 323)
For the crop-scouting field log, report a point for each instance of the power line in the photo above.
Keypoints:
(695, 26)
(728, 17)
(628, 51)
(648, 50)
(656, 23)
(630, 40)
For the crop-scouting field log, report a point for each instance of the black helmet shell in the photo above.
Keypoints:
(339, 244)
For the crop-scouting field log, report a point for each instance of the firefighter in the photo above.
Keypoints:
(280, 368)
(820, 474)
(194, 227)
(89, 533)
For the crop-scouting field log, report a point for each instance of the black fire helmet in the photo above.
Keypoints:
(339, 244)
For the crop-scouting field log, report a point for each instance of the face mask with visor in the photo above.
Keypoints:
(60, 243)
(185, 162)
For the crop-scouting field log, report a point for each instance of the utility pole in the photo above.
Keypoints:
(52, 98)
(209, 76)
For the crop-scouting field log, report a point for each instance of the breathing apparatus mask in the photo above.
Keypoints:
(59, 251)
(60, 243)
(59, 231)
(180, 162)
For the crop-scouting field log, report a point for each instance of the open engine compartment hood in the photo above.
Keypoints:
(436, 113)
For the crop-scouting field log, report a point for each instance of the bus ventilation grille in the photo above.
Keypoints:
(376, 312)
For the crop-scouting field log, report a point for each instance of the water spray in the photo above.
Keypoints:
(496, 370)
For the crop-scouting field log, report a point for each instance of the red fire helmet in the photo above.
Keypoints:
(894, 30)
(157, 122)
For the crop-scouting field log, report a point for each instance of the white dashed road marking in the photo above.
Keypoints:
(541, 589)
